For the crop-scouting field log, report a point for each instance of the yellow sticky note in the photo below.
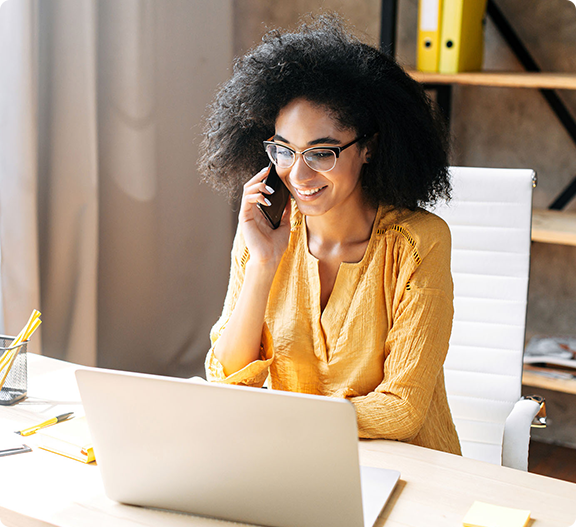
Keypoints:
(487, 515)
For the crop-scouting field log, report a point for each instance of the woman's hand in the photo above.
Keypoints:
(240, 341)
(266, 245)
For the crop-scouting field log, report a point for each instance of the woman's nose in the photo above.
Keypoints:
(300, 171)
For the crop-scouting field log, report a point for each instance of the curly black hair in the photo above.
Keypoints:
(363, 88)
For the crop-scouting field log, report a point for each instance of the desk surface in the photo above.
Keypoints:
(436, 489)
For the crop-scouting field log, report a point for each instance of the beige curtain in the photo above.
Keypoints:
(103, 222)
(18, 165)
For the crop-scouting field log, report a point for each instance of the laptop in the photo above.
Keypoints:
(242, 454)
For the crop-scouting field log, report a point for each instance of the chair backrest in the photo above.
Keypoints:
(490, 220)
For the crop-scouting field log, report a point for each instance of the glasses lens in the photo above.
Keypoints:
(280, 156)
(321, 160)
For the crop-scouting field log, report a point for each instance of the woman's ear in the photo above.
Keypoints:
(370, 149)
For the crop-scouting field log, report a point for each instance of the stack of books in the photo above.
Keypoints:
(450, 35)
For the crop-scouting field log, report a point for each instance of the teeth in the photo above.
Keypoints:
(310, 192)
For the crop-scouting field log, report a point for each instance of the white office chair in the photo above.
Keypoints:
(490, 220)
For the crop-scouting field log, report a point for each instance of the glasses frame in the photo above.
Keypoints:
(336, 149)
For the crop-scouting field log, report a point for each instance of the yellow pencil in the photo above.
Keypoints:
(9, 356)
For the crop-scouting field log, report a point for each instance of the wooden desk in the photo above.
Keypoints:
(436, 489)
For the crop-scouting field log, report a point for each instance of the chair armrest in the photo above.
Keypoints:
(517, 434)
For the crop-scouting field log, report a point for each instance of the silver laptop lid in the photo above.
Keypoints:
(257, 456)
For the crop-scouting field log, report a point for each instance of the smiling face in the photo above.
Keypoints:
(301, 125)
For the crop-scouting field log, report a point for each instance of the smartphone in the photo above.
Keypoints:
(279, 199)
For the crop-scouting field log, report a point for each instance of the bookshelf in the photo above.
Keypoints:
(554, 226)
(502, 79)
(534, 380)
(548, 226)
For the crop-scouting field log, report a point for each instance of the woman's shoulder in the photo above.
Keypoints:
(416, 229)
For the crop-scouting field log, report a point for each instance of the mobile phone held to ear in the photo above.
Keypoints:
(279, 199)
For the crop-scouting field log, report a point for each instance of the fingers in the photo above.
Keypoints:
(257, 183)
(255, 190)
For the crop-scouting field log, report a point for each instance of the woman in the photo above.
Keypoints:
(351, 296)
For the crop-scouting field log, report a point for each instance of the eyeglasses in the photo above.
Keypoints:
(318, 158)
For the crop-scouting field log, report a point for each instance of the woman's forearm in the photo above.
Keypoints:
(239, 343)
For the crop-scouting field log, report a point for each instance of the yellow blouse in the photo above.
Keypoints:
(382, 338)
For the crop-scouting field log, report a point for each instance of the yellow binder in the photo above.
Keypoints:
(429, 24)
(462, 35)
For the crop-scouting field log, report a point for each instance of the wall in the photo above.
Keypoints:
(254, 17)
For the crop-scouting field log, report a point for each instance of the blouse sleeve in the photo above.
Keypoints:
(416, 347)
(255, 373)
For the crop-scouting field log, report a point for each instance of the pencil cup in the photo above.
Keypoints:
(16, 384)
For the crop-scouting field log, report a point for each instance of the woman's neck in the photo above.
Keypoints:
(346, 226)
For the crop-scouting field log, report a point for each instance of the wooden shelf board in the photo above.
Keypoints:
(554, 226)
(557, 385)
(504, 79)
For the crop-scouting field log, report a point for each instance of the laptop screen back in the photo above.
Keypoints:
(243, 454)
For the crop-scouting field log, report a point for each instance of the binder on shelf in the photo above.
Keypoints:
(69, 438)
(462, 36)
(429, 25)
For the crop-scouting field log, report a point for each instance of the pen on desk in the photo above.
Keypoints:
(50, 422)
(16, 450)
